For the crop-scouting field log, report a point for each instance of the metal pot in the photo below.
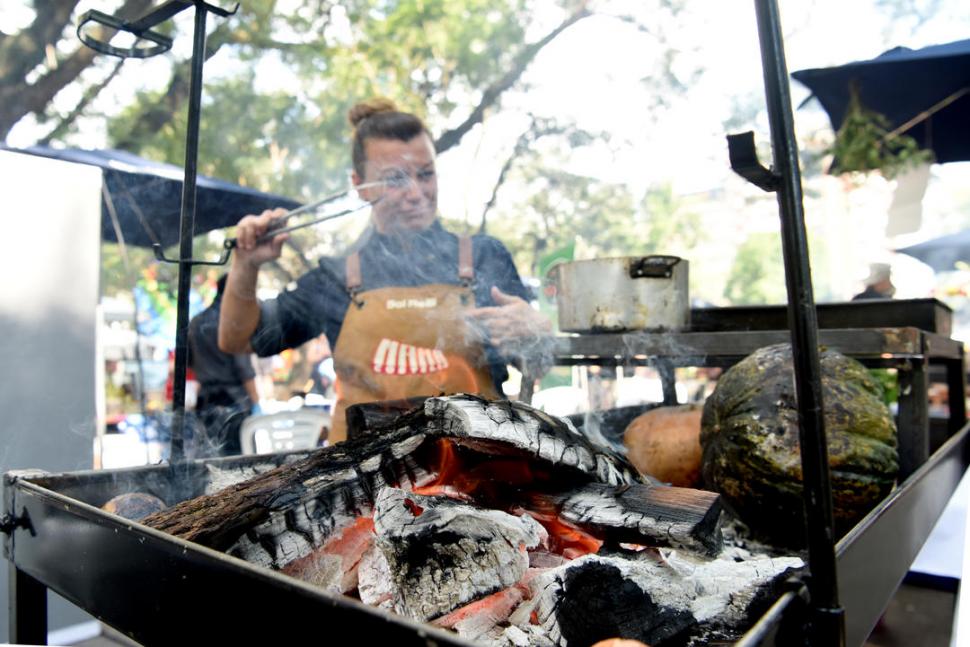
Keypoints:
(627, 293)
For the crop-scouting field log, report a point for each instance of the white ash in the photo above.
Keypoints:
(293, 533)
(319, 483)
(719, 590)
(326, 571)
(374, 582)
(682, 591)
(526, 635)
(448, 554)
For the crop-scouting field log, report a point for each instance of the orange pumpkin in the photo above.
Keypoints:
(665, 443)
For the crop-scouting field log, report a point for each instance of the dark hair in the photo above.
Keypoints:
(379, 118)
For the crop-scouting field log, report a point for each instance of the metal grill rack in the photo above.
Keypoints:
(873, 558)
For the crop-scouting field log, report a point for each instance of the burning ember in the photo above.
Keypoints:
(498, 522)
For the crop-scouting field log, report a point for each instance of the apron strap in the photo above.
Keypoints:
(353, 278)
(466, 262)
(353, 272)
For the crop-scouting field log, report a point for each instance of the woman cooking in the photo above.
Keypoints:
(414, 309)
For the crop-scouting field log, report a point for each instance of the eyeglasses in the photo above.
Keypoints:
(399, 179)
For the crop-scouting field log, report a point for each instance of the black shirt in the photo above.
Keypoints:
(320, 299)
(871, 293)
(220, 375)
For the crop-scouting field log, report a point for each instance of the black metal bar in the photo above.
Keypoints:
(929, 315)
(27, 608)
(828, 622)
(774, 627)
(185, 236)
(902, 343)
(668, 381)
(914, 417)
(956, 382)
(875, 555)
(158, 15)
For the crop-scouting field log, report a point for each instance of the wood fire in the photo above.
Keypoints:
(496, 521)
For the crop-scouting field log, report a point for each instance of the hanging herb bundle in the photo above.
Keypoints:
(865, 143)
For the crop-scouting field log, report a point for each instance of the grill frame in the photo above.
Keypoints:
(150, 585)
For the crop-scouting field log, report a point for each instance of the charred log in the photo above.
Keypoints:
(679, 597)
(339, 482)
(444, 554)
(495, 426)
(334, 566)
(653, 515)
(310, 497)
(375, 417)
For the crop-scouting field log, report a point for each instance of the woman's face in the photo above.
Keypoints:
(408, 201)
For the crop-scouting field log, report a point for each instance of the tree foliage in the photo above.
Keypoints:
(280, 77)
(758, 274)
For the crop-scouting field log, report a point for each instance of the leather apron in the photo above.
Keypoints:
(402, 342)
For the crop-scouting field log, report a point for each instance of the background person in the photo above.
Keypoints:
(414, 309)
(879, 284)
(227, 387)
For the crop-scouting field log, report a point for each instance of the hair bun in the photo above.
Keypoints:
(365, 109)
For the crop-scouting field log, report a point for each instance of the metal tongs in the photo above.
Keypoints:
(278, 225)
(398, 179)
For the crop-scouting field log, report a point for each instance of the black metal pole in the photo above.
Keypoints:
(27, 607)
(187, 229)
(828, 626)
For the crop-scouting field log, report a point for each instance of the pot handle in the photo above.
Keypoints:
(654, 267)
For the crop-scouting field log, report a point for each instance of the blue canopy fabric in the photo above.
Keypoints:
(901, 84)
(147, 196)
(942, 253)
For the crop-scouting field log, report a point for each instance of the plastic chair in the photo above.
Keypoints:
(283, 431)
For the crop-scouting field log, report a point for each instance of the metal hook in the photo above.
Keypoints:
(141, 28)
(744, 162)
(160, 255)
(10, 522)
(162, 43)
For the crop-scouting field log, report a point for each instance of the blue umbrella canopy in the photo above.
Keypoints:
(942, 253)
(147, 196)
(924, 91)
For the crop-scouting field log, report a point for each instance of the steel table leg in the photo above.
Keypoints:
(956, 382)
(668, 381)
(914, 442)
(28, 609)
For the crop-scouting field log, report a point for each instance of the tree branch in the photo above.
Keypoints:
(525, 141)
(161, 112)
(17, 101)
(25, 50)
(492, 93)
(78, 110)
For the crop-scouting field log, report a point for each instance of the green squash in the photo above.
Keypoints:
(749, 438)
